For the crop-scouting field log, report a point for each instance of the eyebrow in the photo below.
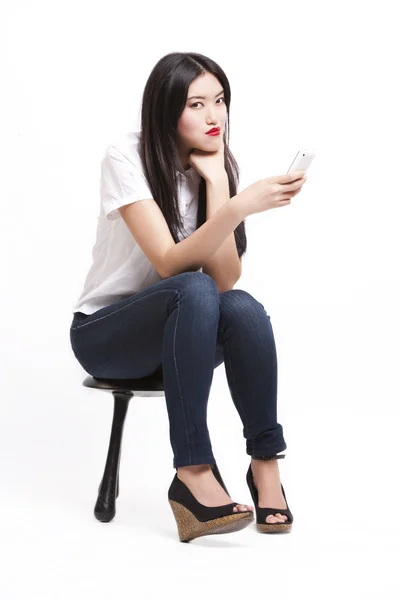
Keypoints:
(203, 97)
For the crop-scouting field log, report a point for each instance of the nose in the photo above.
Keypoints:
(212, 117)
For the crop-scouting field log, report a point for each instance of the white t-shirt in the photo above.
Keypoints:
(120, 268)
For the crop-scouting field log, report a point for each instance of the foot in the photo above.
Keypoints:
(267, 481)
(206, 489)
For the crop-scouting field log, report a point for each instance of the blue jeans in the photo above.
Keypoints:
(185, 328)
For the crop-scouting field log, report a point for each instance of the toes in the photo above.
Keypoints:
(272, 519)
(241, 508)
(277, 518)
(284, 517)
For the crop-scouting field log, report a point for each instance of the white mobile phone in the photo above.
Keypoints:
(302, 160)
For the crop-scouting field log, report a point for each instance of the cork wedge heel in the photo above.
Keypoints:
(196, 520)
(262, 513)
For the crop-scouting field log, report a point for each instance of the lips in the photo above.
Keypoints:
(213, 130)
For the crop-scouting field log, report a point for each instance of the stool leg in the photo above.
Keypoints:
(104, 509)
(117, 486)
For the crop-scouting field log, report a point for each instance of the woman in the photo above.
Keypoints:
(159, 295)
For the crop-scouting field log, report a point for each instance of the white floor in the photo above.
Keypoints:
(53, 548)
(338, 404)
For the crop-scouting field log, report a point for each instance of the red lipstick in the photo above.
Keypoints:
(214, 131)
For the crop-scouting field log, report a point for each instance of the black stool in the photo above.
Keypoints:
(123, 390)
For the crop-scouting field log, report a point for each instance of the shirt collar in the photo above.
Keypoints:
(190, 175)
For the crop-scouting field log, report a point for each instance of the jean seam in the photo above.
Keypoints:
(76, 328)
(178, 380)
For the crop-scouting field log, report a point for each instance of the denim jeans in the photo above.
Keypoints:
(185, 328)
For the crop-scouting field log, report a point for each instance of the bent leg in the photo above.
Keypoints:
(245, 331)
(174, 323)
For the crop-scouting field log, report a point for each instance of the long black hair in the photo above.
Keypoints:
(164, 99)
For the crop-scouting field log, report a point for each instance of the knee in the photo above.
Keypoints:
(240, 305)
(198, 287)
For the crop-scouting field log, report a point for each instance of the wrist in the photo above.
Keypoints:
(217, 179)
(238, 207)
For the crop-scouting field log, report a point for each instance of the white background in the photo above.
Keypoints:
(326, 268)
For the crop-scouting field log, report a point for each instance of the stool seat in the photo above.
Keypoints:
(151, 385)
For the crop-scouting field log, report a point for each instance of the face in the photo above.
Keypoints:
(200, 115)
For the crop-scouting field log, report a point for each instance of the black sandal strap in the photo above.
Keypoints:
(218, 477)
(273, 457)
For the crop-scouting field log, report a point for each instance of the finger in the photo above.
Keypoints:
(291, 187)
(287, 178)
(290, 194)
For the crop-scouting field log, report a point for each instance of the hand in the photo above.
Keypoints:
(272, 192)
(210, 165)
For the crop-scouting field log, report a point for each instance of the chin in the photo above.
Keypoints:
(210, 138)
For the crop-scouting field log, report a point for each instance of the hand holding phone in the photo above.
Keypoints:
(279, 190)
(302, 160)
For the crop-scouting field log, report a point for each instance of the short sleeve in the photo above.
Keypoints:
(122, 182)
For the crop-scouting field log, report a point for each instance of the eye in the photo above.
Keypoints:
(221, 98)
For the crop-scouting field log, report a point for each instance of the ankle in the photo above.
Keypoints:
(191, 470)
(266, 470)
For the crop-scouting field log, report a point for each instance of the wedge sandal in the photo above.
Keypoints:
(196, 520)
(263, 513)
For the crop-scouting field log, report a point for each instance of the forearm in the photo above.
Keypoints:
(224, 265)
(194, 251)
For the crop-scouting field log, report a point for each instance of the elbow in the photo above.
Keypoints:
(188, 269)
(225, 287)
